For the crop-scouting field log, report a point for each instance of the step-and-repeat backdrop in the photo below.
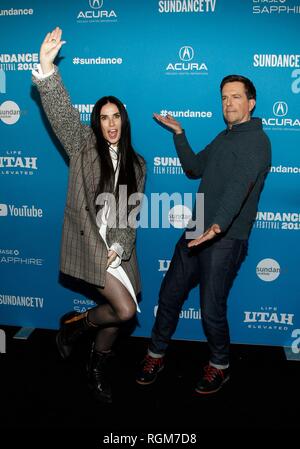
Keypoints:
(156, 56)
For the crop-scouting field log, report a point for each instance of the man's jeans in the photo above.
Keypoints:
(214, 266)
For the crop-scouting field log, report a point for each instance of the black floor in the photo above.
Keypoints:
(39, 391)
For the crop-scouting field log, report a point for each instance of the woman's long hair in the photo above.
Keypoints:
(128, 159)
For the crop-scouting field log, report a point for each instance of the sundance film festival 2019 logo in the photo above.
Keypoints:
(167, 166)
(85, 111)
(281, 60)
(282, 118)
(287, 221)
(186, 65)
(94, 12)
(19, 61)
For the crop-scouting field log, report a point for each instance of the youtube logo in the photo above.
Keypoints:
(3, 210)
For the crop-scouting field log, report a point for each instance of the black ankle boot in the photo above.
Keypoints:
(72, 326)
(98, 375)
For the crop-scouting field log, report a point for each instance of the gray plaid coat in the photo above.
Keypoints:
(83, 252)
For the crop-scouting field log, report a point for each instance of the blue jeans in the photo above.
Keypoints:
(213, 265)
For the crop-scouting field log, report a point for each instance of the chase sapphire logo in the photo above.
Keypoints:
(186, 53)
(96, 4)
(280, 108)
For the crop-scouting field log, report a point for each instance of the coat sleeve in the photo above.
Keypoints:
(63, 117)
(126, 236)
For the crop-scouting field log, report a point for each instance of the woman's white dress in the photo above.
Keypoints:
(115, 268)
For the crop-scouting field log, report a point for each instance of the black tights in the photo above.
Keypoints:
(120, 307)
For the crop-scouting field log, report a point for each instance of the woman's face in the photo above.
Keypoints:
(110, 119)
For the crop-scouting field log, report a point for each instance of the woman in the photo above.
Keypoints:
(94, 249)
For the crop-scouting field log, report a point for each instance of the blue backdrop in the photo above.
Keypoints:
(156, 56)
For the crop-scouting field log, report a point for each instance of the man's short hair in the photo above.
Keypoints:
(249, 86)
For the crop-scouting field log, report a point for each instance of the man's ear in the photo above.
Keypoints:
(252, 104)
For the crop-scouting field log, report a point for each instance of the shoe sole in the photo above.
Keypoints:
(213, 391)
(140, 382)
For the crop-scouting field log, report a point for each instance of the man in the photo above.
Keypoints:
(233, 168)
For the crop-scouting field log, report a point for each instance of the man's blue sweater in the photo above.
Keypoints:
(233, 168)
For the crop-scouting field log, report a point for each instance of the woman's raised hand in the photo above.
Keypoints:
(50, 48)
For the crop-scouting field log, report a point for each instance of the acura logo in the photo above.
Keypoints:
(280, 109)
(96, 4)
(186, 53)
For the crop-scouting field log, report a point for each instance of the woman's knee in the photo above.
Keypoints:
(127, 311)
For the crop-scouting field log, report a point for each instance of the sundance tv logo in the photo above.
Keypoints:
(95, 13)
(186, 64)
(187, 6)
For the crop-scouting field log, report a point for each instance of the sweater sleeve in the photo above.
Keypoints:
(63, 117)
(249, 165)
(193, 164)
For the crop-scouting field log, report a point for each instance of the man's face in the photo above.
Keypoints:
(110, 119)
(235, 104)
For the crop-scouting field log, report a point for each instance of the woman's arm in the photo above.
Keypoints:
(63, 117)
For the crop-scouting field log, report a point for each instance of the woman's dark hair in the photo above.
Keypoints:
(128, 159)
(249, 86)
